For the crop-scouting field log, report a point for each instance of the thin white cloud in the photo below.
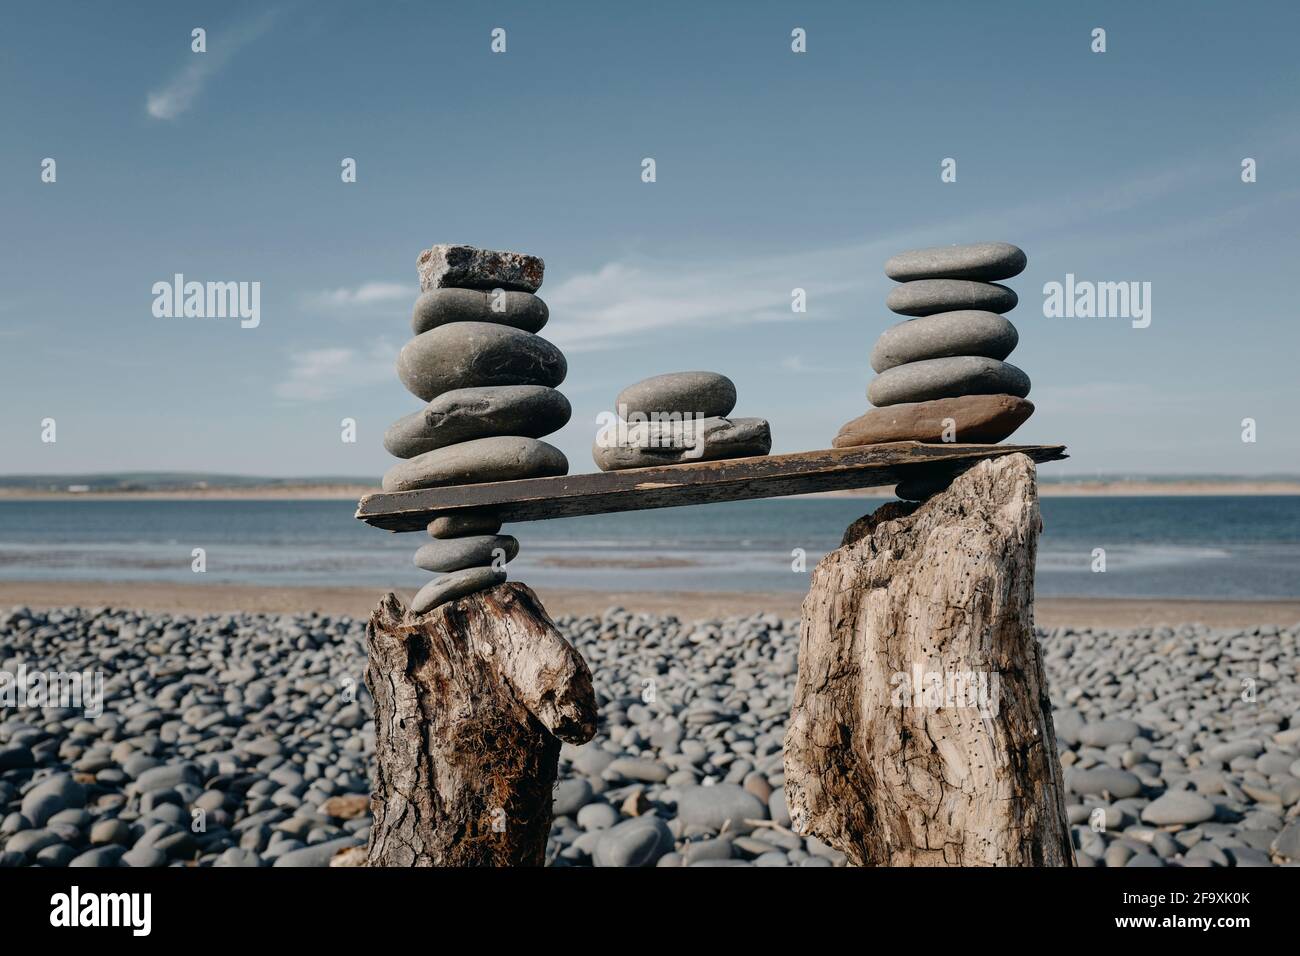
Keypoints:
(367, 293)
(179, 94)
(319, 374)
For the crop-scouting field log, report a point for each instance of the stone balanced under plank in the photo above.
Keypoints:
(489, 383)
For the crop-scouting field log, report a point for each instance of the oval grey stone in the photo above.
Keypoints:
(928, 296)
(460, 524)
(685, 393)
(500, 458)
(714, 806)
(473, 354)
(640, 841)
(1102, 779)
(456, 553)
(649, 446)
(944, 335)
(520, 310)
(455, 585)
(464, 413)
(947, 378)
(1178, 807)
(985, 261)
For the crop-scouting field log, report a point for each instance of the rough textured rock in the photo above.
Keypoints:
(467, 552)
(531, 411)
(928, 296)
(455, 585)
(520, 310)
(975, 419)
(466, 267)
(947, 378)
(500, 458)
(984, 261)
(942, 335)
(471, 703)
(688, 393)
(474, 354)
(650, 445)
(896, 779)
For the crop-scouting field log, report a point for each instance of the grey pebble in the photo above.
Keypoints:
(929, 296)
(707, 394)
(470, 551)
(501, 458)
(947, 378)
(532, 411)
(449, 587)
(520, 310)
(985, 261)
(944, 335)
(476, 354)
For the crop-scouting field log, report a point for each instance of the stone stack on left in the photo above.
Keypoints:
(490, 384)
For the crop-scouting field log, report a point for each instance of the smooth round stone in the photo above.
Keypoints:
(1095, 780)
(570, 796)
(640, 841)
(449, 587)
(1104, 733)
(456, 553)
(943, 335)
(713, 806)
(928, 296)
(650, 446)
(501, 458)
(474, 354)
(985, 261)
(464, 413)
(461, 524)
(947, 378)
(685, 393)
(1178, 807)
(975, 419)
(520, 310)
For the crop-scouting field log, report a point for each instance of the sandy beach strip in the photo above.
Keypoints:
(686, 605)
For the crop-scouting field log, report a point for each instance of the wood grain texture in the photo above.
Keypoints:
(669, 486)
(967, 773)
(471, 702)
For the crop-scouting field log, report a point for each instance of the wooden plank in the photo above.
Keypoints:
(670, 486)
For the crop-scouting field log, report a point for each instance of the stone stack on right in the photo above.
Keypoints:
(942, 375)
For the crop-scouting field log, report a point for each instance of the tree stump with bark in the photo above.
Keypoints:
(471, 702)
(921, 731)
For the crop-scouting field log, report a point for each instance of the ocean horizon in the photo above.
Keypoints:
(1224, 547)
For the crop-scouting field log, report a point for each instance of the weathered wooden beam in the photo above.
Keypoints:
(670, 486)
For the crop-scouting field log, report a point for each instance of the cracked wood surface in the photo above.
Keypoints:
(471, 702)
(691, 483)
(903, 770)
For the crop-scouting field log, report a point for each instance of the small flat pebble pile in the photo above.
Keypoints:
(489, 381)
(941, 375)
(1180, 746)
(675, 418)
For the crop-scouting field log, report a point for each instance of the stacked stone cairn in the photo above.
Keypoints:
(489, 381)
(942, 377)
(678, 418)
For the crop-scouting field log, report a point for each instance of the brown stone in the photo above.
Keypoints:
(977, 419)
(346, 807)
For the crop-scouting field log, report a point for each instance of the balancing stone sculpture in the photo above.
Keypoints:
(942, 377)
(474, 688)
(675, 418)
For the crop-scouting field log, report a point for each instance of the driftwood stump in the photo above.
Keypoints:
(921, 731)
(471, 702)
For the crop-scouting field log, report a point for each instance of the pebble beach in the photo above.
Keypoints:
(245, 740)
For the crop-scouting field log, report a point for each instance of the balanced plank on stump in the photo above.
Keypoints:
(767, 476)
(883, 761)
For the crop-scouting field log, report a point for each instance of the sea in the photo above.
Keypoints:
(1245, 547)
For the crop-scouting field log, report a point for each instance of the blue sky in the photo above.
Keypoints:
(775, 170)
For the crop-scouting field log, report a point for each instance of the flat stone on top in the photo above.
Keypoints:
(985, 261)
(947, 378)
(928, 296)
(944, 335)
(465, 267)
(475, 354)
(686, 393)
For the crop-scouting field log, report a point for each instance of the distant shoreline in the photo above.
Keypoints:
(1053, 489)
